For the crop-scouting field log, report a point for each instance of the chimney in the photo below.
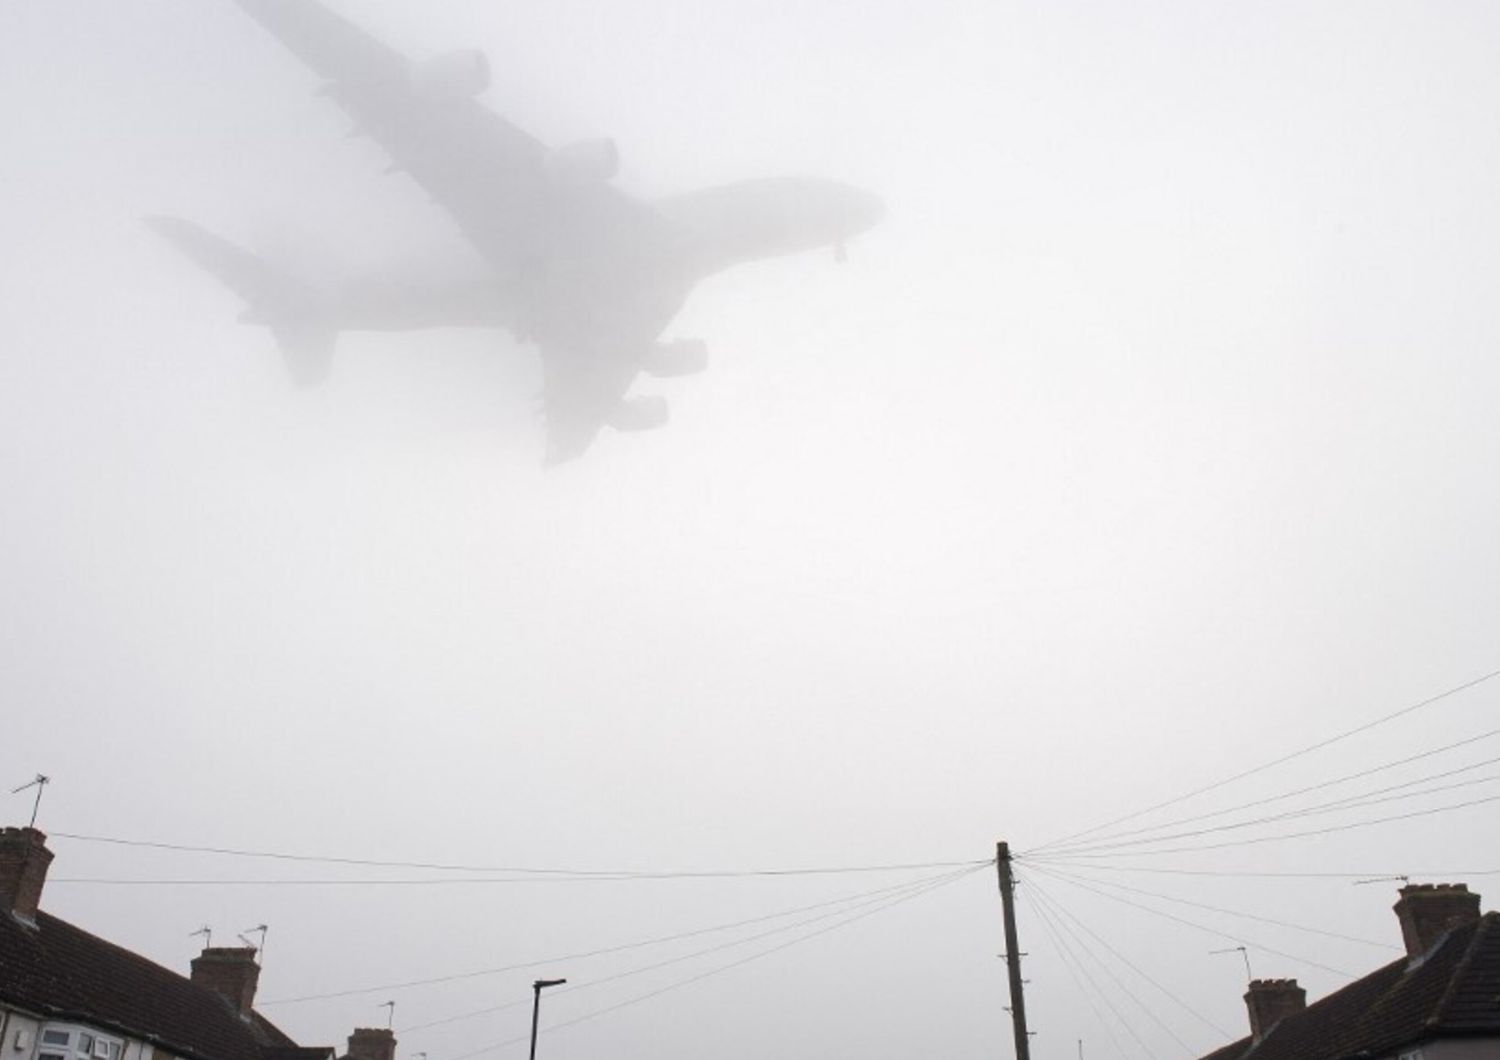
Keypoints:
(230, 972)
(372, 1043)
(1270, 1001)
(24, 858)
(1428, 911)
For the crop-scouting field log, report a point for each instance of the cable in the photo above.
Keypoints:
(723, 967)
(1293, 835)
(1103, 995)
(1367, 798)
(1351, 802)
(1057, 907)
(1053, 847)
(1069, 962)
(431, 882)
(1254, 874)
(1231, 912)
(612, 873)
(1195, 924)
(479, 973)
(1092, 867)
(881, 897)
(1366, 727)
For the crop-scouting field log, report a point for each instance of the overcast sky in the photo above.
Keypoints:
(1151, 436)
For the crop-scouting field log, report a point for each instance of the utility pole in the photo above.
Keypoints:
(536, 1006)
(1012, 951)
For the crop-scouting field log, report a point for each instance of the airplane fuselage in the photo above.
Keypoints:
(629, 286)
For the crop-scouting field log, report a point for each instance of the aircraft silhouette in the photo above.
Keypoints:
(589, 274)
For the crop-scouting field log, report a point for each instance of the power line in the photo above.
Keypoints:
(431, 882)
(1368, 798)
(1074, 966)
(1054, 847)
(1366, 727)
(880, 897)
(1083, 946)
(727, 967)
(630, 874)
(1255, 874)
(1063, 910)
(1287, 835)
(1194, 924)
(1351, 802)
(1097, 867)
(1052, 900)
(482, 972)
(1230, 912)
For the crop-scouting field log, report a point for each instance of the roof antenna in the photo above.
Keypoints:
(39, 783)
(261, 949)
(1249, 975)
(1382, 879)
(390, 1012)
(207, 933)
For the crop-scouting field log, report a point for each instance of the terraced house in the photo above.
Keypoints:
(66, 994)
(1439, 1002)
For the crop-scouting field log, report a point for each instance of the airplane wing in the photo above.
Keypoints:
(492, 177)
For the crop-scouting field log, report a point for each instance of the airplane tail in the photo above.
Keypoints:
(291, 309)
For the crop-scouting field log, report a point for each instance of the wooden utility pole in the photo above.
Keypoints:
(1012, 951)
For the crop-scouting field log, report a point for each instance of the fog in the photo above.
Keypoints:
(1148, 437)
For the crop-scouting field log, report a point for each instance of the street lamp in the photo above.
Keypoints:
(536, 1006)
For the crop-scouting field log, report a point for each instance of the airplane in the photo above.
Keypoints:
(590, 275)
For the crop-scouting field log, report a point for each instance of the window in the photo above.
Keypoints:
(60, 1042)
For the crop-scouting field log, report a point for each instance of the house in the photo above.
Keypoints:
(1439, 1002)
(66, 994)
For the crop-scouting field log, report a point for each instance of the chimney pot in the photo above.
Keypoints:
(372, 1043)
(230, 972)
(24, 858)
(1428, 911)
(1270, 1001)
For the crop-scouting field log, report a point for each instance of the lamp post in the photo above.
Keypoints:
(536, 1006)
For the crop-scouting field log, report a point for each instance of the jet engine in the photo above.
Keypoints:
(451, 76)
(639, 413)
(586, 162)
(682, 357)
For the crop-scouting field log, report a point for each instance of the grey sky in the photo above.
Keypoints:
(1150, 436)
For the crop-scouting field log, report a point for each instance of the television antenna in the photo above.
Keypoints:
(1249, 975)
(39, 783)
(261, 949)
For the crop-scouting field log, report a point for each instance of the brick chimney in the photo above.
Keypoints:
(24, 858)
(1428, 911)
(372, 1043)
(1270, 1001)
(230, 972)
